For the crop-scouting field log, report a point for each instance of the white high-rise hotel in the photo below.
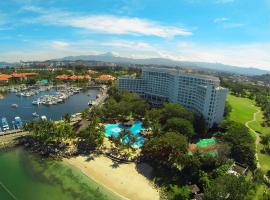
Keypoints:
(199, 93)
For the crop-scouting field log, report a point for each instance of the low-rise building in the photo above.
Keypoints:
(105, 79)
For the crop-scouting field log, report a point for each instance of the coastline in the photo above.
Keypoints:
(123, 180)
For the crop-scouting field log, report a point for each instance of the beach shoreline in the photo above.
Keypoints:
(124, 180)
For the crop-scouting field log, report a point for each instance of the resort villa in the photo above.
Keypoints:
(105, 79)
(199, 93)
(4, 78)
(64, 77)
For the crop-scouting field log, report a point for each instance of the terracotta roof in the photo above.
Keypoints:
(22, 75)
(73, 77)
(62, 77)
(84, 77)
(105, 78)
(5, 77)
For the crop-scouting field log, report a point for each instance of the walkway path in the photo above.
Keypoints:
(256, 134)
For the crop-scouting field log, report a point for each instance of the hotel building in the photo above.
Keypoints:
(199, 93)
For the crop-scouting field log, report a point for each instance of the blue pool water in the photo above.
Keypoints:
(135, 129)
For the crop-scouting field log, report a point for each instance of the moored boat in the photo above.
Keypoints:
(43, 117)
(35, 114)
(18, 122)
(5, 125)
(14, 105)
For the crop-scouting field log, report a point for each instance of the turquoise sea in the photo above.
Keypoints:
(26, 176)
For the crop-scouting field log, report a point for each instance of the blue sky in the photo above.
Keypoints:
(233, 32)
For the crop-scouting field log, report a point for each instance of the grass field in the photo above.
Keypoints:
(242, 111)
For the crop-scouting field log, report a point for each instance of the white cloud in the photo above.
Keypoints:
(108, 24)
(221, 20)
(227, 24)
(233, 25)
(142, 46)
(245, 55)
(60, 45)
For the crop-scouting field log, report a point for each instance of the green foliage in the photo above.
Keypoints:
(171, 110)
(204, 181)
(242, 144)
(200, 126)
(258, 176)
(180, 125)
(47, 131)
(124, 140)
(152, 120)
(228, 187)
(67, 117)
(175, 192)
(93, 135)
(169, 149)
(227, 109)
(122, 104)
(223, 169)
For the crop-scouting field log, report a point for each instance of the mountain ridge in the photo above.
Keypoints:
(110, 57)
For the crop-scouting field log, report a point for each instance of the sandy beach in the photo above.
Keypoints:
(125, 180)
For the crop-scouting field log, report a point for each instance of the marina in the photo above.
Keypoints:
(47, 103)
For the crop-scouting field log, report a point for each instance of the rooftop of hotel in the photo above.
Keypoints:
(180, 72)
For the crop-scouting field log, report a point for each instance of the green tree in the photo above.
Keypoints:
(242, 144)
(228, 109)
(67, 117)
(64, 131)
(200, 125)
(125, 140)
(228, 187)
(180, 125)
(171, 110)
(152, 120)
(93, 135)
(168, 150)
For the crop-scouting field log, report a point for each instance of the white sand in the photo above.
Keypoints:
(123, 180)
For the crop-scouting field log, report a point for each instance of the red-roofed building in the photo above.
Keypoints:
(62, 77)
(4, 78)
(73, 77)
(105, 78)
(22, 76)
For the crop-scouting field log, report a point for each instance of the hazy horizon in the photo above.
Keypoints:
(231, 32)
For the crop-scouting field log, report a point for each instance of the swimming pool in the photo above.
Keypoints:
(135, 129)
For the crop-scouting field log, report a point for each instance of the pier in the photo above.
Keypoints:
(10, 138)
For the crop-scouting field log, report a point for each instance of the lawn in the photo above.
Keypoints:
(242, 111)
(257, 125)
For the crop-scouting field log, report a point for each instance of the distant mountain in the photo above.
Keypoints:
(110, 57)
